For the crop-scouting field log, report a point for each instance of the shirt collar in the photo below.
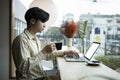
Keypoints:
(29, 35)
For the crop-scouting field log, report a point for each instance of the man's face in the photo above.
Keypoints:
(39, 26)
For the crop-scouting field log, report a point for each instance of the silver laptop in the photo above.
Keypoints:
(87, 56)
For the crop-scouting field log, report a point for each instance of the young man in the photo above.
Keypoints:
(28, 51)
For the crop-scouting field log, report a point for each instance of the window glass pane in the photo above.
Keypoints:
(19, 26)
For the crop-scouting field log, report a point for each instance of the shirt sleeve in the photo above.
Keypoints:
(58, 53)
(23, 60)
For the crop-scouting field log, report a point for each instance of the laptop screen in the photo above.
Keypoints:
(92, 49)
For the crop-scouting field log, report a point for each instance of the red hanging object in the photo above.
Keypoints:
(70, 29)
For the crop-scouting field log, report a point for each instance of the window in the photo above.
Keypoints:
(109, 29)
(19, 26)
(97, 30)
(118, 21)
(118, 29)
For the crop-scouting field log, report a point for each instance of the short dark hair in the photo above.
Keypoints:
(37, 14)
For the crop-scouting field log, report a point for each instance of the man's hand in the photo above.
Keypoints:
(48, 48)
(71, 53)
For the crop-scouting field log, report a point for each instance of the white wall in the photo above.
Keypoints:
(19, 10)
(4, 39)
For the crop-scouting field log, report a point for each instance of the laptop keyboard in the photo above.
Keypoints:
(75, 59)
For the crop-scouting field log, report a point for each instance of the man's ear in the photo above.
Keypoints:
(32, 21)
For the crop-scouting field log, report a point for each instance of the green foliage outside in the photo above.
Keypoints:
(82, 34)
(110, 61)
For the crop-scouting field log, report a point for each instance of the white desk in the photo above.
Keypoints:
(80, 71)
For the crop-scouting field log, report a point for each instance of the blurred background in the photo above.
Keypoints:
(103, 25)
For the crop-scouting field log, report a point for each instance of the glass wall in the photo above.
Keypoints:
(19, 26)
